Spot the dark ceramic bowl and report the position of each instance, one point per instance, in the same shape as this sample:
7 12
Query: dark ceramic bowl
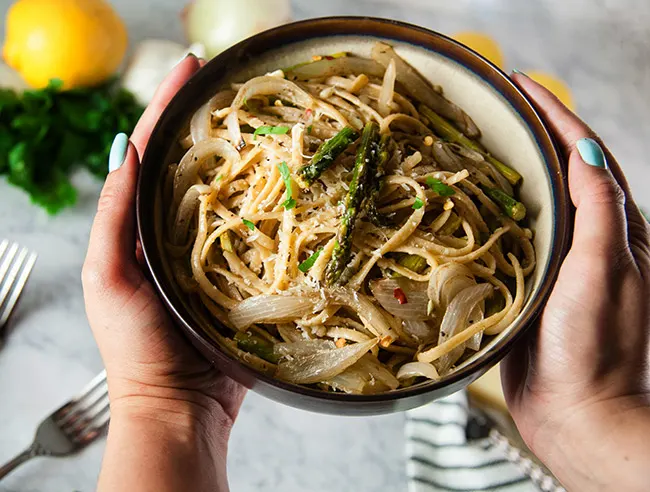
511 128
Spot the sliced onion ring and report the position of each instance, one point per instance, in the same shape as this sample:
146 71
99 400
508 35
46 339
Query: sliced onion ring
193 160
338 66
271 308
267 85
302 347
417 369
322 365
421 331
415 307
457 318
371 317
201 122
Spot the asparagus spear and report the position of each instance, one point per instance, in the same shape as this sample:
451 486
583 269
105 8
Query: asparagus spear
226 243
414 263
493 305
451 226
366 154
327 154
511 207
256 345
375 178
447 131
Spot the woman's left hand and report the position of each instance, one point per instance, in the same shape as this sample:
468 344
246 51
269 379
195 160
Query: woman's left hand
155 377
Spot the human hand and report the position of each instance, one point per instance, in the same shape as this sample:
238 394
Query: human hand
578 387
153 373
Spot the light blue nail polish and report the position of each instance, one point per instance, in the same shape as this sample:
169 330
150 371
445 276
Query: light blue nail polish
591 152
118 152
519 72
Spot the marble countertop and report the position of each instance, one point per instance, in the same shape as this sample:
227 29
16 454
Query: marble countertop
600 47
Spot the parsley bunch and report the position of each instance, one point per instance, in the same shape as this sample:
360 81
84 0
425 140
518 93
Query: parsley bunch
46 134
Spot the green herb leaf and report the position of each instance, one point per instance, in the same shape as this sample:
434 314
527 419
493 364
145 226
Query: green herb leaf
8 99
289 203
21 165
249 224
47 134
309 262
285 172
270 130
439 187
309 129
418 203
218 178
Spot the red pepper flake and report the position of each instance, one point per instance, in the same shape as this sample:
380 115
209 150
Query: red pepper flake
327 57
400 296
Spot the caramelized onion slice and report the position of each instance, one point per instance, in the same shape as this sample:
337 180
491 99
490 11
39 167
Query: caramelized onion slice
322 365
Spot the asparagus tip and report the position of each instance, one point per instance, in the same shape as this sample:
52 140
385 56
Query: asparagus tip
518 211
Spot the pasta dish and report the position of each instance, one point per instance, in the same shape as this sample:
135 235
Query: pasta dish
338 224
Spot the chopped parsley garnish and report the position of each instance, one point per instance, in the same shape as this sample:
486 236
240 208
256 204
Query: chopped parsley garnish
289 202
309 262
439 187
418 203
309 129
249 224
270 130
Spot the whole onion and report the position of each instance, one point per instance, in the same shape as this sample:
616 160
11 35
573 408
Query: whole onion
218 24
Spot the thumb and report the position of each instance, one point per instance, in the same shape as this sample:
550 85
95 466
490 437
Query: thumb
111 257
601 223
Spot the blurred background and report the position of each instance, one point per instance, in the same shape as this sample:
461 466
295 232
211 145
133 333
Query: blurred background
595 54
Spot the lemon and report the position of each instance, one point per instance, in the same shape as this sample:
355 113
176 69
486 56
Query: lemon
81 42
555 85
483 44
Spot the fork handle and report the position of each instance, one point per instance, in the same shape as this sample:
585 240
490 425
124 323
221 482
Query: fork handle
26 455
543 480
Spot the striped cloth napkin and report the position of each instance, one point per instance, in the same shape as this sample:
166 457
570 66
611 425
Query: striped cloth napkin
441 459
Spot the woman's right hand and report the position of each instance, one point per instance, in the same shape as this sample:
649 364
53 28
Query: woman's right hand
579 386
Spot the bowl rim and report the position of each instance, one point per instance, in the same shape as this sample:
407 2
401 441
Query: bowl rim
326 27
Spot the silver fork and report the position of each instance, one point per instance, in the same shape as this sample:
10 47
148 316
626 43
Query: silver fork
70 428
481 425
15 266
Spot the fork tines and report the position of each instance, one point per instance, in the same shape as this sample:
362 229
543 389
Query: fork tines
83 417
16 264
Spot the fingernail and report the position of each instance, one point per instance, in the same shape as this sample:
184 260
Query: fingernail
591 152
118 152
519 72
181 60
